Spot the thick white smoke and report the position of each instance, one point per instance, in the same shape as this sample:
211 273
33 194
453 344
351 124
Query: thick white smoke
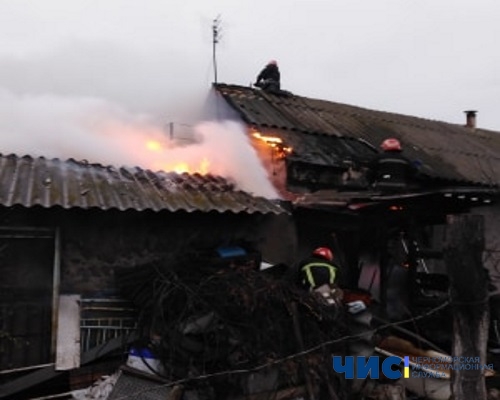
99 131
233 156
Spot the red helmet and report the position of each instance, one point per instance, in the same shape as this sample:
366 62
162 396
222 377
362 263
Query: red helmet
323 252
391 144
272 62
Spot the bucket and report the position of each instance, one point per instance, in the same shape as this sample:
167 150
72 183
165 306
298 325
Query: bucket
144 360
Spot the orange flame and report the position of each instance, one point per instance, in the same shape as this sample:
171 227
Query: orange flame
271 140
201 167
181 167
274 142
154 145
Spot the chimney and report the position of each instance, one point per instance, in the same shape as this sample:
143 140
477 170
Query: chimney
471 119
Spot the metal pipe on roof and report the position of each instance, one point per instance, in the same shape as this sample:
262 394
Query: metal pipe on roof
470 119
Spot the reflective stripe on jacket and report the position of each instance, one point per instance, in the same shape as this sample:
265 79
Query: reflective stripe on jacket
310 278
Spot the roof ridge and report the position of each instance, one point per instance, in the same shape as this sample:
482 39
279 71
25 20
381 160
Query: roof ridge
299 115
377 114
368 111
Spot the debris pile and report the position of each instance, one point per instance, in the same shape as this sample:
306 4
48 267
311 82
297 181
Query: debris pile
243 330
100 390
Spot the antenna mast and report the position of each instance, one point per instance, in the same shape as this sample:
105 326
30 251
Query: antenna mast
215 40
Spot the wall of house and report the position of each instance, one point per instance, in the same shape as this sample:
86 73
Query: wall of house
279 245
93 249
94 244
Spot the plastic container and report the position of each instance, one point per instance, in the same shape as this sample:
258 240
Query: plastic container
144 360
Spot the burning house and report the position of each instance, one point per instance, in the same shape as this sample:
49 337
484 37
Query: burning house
317 154
70 227
96 258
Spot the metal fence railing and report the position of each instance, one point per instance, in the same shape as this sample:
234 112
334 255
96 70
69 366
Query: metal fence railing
102 320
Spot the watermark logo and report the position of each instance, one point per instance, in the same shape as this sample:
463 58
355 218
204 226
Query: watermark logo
362 367
420 367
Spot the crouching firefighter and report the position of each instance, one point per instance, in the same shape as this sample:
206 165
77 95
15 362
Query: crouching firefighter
269 78
318 273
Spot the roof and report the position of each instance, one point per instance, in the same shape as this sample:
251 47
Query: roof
342 132
465 197
29 182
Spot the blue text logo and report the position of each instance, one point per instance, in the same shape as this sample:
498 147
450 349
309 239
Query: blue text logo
367 366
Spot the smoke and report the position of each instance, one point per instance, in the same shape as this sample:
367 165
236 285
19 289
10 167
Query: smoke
231 155
99 131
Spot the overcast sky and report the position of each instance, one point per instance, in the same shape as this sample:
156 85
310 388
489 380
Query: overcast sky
428 58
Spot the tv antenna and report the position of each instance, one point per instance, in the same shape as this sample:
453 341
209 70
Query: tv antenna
216 30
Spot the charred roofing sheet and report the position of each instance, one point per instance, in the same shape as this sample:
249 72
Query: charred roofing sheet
447 151
29 182
322 150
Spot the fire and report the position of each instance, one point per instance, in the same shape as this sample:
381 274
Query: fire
201 167
204 165
180 168
154 145
275 143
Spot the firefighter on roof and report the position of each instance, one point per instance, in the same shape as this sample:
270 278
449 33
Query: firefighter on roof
269 78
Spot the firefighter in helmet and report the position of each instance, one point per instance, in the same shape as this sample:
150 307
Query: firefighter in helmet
318 269
391 171
269 78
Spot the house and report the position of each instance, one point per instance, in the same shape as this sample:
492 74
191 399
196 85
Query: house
316 153
68 227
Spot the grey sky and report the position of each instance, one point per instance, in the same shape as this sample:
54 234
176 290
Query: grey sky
429 58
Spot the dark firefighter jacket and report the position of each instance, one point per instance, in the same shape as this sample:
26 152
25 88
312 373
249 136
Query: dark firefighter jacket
391 170
315 271
270 72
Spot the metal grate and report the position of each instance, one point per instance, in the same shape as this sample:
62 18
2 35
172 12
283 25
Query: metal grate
102 320
130 386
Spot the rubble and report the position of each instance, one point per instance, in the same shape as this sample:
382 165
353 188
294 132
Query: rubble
228 328
100 390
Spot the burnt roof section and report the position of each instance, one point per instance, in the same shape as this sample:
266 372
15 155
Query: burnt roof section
446 151
29 182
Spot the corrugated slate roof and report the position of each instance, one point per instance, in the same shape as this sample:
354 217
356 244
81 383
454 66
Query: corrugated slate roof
29 182
448 151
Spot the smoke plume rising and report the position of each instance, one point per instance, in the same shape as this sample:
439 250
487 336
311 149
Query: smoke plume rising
99 131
